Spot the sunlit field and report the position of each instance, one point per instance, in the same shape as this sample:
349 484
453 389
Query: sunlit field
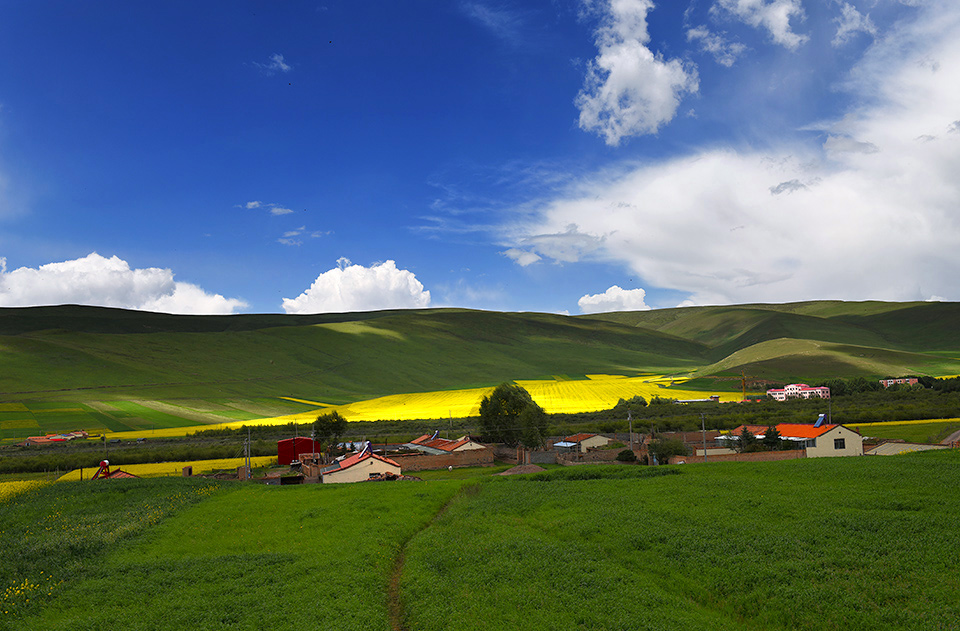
597 392
159 469
601 392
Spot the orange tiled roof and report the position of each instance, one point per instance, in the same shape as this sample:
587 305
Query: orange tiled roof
576 438
788 430
440 443
350 461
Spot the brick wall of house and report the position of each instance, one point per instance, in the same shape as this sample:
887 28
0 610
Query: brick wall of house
425 462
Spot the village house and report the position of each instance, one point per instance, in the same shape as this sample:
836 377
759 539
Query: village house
909 381
359 467
580 443
437 446
819 439
799 391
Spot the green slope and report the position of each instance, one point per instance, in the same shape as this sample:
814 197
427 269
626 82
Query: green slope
75 353
333 358
926 334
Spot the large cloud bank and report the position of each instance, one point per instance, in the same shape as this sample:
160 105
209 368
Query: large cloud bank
108 282
868 209
349 287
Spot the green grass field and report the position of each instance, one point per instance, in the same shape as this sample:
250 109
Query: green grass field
851 543
932 432
854 543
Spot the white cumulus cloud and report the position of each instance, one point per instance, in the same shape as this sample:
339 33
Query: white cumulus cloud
350 287
522 257
867 210
629 90
851 22
108 282
614 299
723 51
774 16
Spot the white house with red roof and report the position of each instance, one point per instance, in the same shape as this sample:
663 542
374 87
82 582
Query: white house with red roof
359 467
820 439
799 391
436 446
580 443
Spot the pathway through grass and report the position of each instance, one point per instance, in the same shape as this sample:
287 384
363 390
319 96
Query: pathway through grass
394 597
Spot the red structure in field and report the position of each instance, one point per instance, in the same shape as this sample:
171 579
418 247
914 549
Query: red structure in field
289 449
104 473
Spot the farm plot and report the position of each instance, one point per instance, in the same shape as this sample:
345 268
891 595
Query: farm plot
601 392
597 392
161 469
9 489
925 431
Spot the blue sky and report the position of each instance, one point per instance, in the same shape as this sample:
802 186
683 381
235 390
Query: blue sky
562 156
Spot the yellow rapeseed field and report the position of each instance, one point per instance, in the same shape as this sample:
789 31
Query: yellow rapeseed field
597 392
9 489
174 468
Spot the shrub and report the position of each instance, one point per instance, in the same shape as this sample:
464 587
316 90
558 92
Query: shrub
626 455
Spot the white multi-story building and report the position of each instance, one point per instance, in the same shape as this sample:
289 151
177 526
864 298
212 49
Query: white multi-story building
799 391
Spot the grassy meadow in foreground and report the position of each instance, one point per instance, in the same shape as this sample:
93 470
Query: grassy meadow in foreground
248 557
846 543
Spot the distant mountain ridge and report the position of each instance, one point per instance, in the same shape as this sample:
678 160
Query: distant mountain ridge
70 351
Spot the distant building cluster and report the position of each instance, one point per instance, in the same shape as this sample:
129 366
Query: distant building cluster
799 391
909 381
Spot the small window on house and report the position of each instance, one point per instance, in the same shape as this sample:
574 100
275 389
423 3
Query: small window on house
838 443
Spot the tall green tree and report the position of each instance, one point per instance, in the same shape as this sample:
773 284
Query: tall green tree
747 440
329 428
771 438
509 415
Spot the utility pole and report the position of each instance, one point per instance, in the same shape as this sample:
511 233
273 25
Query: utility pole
630 421
703 433
247 453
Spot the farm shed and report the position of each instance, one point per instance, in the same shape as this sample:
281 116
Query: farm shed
579 443
438 446
359 467
819 439
290 449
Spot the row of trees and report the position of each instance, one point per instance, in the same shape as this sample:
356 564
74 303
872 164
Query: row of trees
845 387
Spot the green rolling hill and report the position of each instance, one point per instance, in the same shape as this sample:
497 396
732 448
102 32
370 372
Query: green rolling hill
74 353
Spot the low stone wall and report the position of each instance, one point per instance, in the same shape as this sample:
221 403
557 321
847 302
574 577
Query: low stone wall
425 462
543 457
757 456
600 455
